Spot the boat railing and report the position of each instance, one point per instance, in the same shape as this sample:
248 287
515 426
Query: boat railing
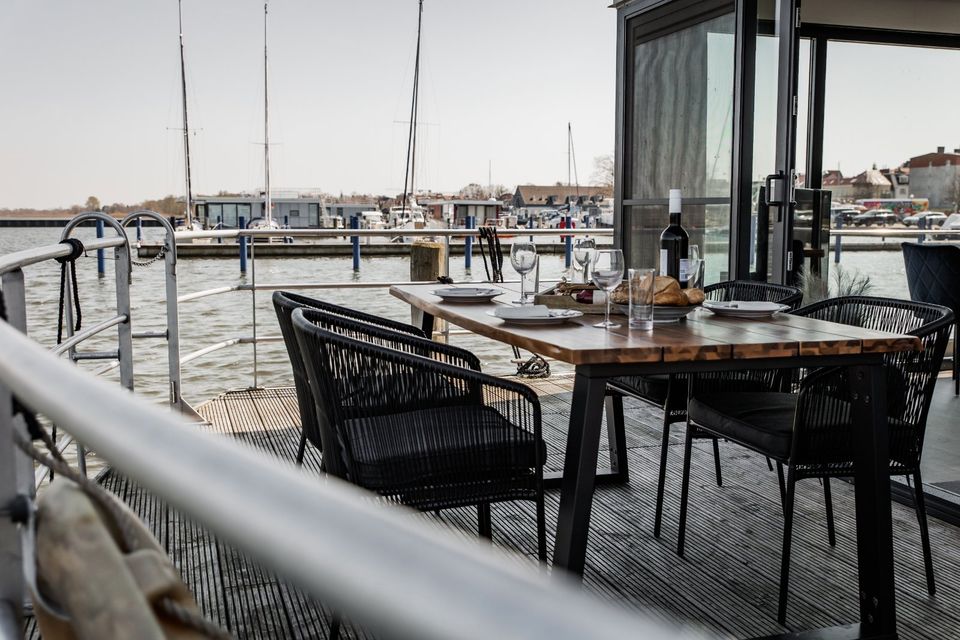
382 566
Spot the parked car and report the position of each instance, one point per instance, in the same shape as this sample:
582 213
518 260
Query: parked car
880 217
844 214
933 218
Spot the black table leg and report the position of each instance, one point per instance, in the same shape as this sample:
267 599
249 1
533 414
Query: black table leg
579 470
874 528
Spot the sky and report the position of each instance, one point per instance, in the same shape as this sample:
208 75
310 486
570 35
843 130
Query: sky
91 96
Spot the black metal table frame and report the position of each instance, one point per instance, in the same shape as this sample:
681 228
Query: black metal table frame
872 480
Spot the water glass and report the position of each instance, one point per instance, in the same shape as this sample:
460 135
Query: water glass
531 283
606 271
582 251
640 284
523 258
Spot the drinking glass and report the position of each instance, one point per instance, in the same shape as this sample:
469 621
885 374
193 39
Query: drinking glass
606 271
523 258
640 310
582 251
695 268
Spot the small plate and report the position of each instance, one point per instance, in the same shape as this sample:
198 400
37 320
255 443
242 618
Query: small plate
744 309
665 314
512 315
468 294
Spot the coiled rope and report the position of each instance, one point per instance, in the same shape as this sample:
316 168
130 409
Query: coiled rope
69 263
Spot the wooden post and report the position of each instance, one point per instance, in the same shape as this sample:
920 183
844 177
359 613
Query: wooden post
427 262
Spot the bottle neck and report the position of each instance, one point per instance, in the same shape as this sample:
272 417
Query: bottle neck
675 218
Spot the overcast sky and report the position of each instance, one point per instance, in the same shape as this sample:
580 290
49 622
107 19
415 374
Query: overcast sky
91 97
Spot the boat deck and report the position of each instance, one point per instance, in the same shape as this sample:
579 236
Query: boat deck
727 583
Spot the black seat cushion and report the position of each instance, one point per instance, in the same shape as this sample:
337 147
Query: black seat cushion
438 445
761 421
652 388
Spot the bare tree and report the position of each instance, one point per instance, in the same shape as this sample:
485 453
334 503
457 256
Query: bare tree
603 170
92 204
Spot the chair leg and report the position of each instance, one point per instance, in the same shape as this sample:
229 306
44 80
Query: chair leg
662 477
684 490
483 521
785 555
921 509
302 447
769 465
828 503
783 485
617 436
956 365
541 530
716 461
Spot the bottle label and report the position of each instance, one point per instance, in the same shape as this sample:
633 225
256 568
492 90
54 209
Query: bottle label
664 270
684 269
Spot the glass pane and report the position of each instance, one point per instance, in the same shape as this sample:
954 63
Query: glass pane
682 112
707 227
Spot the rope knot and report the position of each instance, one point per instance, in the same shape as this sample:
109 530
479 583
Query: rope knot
77 250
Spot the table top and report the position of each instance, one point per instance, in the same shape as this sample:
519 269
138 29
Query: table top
703 336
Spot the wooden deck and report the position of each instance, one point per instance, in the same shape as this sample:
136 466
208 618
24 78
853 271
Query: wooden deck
727 582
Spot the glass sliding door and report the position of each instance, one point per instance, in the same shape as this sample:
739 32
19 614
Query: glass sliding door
676 130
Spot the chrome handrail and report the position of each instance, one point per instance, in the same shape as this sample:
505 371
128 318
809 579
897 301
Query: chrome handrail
394 574
87 333
35 255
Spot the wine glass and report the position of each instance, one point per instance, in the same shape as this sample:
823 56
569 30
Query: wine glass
523 258
606 270
582 251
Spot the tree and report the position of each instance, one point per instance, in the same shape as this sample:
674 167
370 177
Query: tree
603 171
92 204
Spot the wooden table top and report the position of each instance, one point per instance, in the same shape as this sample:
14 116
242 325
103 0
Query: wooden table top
703 336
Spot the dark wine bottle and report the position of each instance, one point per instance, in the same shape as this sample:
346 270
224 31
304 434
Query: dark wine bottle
673 244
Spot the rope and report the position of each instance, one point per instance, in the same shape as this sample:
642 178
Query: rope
69 262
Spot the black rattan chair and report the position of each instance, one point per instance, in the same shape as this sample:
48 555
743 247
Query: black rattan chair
418 430
669 392
284 304
811 431
933 275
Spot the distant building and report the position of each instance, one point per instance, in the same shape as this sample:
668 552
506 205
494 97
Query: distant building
899 178
937 176
841 188
550 197
871 184
303 212
483 211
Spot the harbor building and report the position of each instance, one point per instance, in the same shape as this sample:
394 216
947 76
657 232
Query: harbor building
937 176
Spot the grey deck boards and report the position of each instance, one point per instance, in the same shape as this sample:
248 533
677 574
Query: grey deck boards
727 582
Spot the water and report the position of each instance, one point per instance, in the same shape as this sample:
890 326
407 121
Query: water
214 319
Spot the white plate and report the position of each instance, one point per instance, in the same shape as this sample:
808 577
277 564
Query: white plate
744 309
665 314
467 294
534 315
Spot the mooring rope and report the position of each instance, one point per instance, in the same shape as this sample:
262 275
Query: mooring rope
69 263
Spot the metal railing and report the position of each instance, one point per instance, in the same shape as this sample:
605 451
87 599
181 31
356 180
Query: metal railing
385 568
254 339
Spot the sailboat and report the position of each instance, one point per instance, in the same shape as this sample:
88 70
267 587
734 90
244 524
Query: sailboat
188 223
266 222
409 215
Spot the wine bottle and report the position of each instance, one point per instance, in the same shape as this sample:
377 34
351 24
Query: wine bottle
673 244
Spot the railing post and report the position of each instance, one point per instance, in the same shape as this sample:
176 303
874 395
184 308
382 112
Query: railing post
253 311
530 224
220 228
139 230
922 225
568 245
468 245
838 240
355 224
243 248
101 262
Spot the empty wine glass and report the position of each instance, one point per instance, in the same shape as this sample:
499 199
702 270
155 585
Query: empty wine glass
523 258
695 268
606 271
582 251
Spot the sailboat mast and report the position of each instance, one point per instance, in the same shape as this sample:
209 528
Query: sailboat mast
267 203
186 127
409 173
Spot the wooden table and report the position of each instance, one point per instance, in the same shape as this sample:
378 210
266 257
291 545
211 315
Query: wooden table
706 343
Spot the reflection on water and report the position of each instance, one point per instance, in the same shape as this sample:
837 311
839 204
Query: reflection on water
210 320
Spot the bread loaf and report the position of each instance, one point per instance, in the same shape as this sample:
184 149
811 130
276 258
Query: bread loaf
694 296
670 298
